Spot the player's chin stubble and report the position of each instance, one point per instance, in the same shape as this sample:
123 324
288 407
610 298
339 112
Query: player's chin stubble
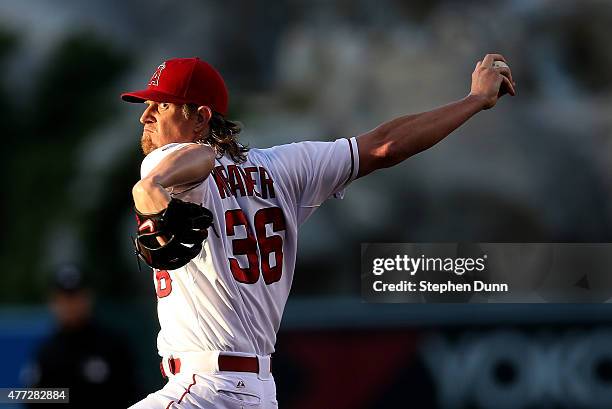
146 144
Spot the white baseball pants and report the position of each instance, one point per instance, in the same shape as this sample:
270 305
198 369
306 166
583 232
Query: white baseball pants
201 385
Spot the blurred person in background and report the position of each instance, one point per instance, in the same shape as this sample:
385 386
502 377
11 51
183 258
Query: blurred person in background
81 354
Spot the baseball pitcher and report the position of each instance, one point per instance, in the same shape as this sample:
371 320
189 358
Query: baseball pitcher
218 222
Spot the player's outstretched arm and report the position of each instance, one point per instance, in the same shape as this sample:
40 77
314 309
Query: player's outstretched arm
187 165
394 141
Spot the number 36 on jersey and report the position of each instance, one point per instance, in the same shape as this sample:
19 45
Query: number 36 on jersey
257 246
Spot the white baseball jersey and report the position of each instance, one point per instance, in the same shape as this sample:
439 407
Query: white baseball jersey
232 295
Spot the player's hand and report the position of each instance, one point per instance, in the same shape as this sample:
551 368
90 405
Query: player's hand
150 197
489 83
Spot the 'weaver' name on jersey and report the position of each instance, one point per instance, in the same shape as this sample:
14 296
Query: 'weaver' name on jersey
233 179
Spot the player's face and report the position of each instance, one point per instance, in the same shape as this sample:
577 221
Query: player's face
164 123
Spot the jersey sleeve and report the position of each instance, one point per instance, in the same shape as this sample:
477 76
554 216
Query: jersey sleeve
190 193
315 171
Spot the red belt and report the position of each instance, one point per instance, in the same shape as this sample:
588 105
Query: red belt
230 363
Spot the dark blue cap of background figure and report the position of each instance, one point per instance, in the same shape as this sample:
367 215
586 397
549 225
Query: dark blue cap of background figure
68 278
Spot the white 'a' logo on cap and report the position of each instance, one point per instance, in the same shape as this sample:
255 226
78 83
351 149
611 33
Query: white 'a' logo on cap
157 74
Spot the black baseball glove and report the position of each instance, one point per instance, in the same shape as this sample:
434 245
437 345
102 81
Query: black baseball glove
181 229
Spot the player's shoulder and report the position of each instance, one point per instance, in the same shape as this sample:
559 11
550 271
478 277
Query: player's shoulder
291 148
293 154
295 150
274 154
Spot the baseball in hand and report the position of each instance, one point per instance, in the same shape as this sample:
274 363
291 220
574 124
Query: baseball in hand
504 88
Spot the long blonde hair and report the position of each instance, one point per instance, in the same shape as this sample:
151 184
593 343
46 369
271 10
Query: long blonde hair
223 135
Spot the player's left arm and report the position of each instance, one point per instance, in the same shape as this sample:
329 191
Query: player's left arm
394 141
190 164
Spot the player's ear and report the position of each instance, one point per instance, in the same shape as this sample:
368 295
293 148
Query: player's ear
202 118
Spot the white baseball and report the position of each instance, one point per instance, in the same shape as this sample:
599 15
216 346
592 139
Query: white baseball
500 64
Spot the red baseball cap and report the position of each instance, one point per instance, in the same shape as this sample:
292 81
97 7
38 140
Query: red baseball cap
184 81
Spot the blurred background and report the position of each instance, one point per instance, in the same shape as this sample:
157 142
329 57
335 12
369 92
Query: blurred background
536 168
